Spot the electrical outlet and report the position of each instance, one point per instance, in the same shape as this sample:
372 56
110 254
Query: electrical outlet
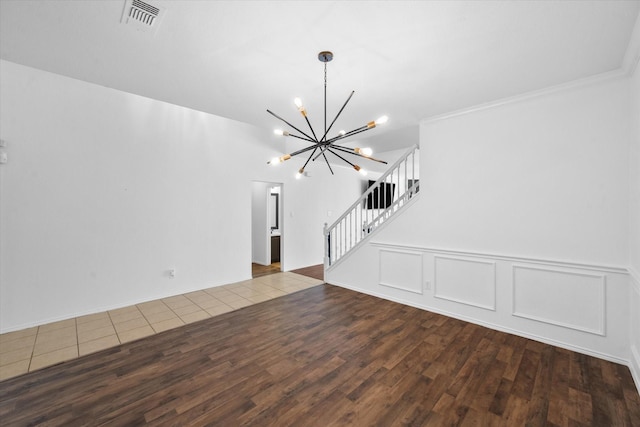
172 273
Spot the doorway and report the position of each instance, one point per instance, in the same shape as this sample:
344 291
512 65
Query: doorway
267 228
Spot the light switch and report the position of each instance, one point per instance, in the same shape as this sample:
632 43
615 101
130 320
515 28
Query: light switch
3 158
3 143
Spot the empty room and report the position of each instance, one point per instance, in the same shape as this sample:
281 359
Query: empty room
319 213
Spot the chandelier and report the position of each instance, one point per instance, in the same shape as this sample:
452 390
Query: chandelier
325 145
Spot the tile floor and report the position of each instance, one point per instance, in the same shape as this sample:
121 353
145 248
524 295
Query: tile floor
35 348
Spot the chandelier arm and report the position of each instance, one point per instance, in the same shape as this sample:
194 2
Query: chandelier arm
339 156
350 151
304 139
295 153
337 115
325 159
289 124
311 127
312 153
322 150
348 134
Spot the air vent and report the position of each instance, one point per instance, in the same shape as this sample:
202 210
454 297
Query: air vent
142 15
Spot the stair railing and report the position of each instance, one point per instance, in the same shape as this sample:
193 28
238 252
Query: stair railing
379 202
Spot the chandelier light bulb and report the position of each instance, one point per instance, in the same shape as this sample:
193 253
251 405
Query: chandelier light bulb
382 120
301 108
278 160
364 151
359 169
299 174
375 123
342 132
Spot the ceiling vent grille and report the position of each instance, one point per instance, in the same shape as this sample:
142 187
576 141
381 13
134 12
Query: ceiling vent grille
142 15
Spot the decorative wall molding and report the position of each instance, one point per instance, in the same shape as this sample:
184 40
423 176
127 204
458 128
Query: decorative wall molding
542 297
499 257
446 287
406 269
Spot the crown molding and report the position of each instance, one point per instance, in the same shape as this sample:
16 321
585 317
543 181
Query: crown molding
632 54
635 279
574 84
627 68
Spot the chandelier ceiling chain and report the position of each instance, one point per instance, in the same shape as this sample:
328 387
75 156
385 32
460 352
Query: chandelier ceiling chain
323 145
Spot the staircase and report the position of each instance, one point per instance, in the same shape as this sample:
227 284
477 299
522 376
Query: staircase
383 199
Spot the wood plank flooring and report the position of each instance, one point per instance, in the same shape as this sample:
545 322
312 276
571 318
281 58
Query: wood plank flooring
259 270
314 271
326 356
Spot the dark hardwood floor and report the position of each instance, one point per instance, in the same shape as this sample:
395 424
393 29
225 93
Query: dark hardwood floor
326 356
315 271
258 270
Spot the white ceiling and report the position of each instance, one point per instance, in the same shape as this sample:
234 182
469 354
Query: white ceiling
407 59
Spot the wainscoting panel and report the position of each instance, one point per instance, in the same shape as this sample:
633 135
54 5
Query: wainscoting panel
564 298
401 270
466 281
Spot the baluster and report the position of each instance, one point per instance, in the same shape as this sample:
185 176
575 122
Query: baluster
350 229
405 182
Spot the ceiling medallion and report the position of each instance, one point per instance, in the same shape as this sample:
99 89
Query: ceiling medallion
324 145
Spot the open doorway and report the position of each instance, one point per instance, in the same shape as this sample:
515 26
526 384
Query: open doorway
267 228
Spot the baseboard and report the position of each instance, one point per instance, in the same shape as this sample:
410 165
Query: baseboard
493 326
634 363
634 366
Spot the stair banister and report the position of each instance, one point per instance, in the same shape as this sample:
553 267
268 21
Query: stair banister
358 224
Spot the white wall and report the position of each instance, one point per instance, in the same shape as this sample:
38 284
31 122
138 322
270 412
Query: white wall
522 221
105 191
538 178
